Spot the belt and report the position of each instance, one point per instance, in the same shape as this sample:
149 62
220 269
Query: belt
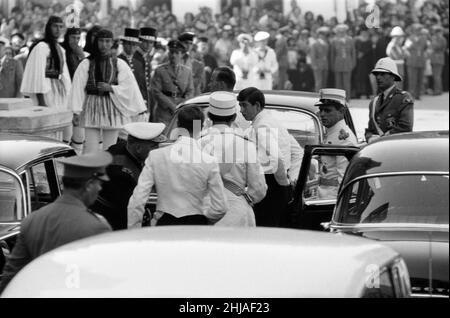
237 190
328 182
173 95
93 91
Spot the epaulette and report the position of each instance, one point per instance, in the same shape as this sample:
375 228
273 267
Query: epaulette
407 97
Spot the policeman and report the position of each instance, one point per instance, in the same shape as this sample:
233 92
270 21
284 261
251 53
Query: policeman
172 84
332 168
197 67
143 60
65 220
391 112
240 169
128 161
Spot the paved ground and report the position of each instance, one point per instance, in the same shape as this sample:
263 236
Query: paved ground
430 113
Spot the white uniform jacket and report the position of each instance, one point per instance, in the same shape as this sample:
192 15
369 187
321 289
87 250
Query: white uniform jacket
183 176
243 67
265 69
239 165
332 168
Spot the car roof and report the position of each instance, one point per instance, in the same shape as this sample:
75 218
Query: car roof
418 151
303 100
18 150
208 261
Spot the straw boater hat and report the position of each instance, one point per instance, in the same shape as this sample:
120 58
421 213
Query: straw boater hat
222 104
245 37
397 31
131 35
146 131
148 34
387 65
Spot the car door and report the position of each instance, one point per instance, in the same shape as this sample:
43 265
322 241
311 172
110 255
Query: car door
309 207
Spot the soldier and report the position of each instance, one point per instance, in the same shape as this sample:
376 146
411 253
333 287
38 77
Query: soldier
331 168
319 58
416 46
128 161
342 58
143 64
172 84
197 67
130 42
65 220
208 59
438 46
396 51
391 112
11 72
267 65
240 169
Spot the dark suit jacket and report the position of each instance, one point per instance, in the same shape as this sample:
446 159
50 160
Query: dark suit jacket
395 115
11 78
61 222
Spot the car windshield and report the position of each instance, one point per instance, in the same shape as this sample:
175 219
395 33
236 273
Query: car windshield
301 125
395 199
11 208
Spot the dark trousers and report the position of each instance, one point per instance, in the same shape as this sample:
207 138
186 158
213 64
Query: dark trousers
272 210
168 219
415 80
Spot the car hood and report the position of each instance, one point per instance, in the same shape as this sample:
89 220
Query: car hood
416 247
8 229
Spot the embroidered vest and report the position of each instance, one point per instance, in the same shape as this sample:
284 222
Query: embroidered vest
50 69
109 74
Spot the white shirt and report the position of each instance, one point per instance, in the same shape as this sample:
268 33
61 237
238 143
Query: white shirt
268 64
183 176
273 143
243 63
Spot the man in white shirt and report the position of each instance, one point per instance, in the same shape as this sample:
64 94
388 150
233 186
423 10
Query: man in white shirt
183 176
241 172
274 146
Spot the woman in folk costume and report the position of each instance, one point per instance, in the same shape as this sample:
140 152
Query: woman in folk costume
46 77
267 65
244 60
105 95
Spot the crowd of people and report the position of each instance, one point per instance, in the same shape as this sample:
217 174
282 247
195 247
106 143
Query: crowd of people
295 37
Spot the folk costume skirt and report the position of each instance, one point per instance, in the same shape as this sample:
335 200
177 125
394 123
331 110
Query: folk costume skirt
100 112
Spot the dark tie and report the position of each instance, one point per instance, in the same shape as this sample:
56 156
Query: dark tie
380 101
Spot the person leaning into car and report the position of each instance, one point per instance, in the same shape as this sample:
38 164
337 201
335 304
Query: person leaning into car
128 161
65 220
331 168
392 111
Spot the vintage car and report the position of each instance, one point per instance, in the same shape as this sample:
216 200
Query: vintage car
395 191
299 115
210 262
29 179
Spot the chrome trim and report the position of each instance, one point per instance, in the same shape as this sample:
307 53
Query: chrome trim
418 295
392 226
320 202
390 174
7 236
22 188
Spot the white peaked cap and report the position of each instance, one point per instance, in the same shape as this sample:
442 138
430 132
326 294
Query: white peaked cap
146 131
222 104
261 36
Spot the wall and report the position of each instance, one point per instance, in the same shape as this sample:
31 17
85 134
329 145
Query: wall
180 7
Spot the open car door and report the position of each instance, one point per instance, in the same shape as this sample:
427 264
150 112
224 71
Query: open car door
314 199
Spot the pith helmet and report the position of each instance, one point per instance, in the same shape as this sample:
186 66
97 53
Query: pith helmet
387 65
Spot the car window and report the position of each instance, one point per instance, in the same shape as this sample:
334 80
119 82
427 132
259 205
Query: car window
11 198
303 126
39 181
395 199
324 178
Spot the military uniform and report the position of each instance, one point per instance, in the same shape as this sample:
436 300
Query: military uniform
319 63
198 73
61 222
142 71
170 87
392 116
416 48
343 61
437 58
